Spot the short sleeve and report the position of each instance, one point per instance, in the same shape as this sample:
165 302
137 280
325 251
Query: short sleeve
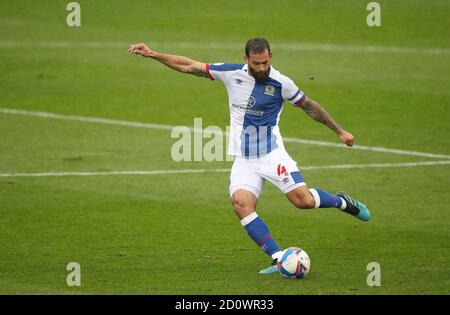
221 71
292 93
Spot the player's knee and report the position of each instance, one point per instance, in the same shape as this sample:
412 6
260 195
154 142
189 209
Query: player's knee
303 202
240 206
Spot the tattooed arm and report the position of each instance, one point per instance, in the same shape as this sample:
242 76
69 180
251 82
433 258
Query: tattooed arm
179 63
318 113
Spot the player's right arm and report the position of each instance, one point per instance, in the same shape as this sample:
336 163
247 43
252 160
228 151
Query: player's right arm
318 113
294 95
179 63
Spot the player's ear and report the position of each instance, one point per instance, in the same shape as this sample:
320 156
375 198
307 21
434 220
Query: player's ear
245 58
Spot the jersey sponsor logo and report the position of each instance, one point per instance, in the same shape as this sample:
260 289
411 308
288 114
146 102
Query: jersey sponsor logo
269 90
251 102
239 81
247 108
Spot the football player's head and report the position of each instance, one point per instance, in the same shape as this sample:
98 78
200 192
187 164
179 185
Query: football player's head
258 58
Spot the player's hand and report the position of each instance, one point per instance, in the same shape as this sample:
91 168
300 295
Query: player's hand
141 49
347 138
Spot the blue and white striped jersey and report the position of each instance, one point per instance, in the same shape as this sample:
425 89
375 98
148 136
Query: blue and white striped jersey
255 107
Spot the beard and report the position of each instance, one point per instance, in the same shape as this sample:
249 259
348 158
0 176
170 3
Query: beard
259 76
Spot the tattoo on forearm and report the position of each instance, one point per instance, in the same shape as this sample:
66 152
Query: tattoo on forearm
196 71
315 111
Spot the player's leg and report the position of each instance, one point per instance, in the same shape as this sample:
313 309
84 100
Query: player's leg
305 198
282 171
245 188
244 204
301 197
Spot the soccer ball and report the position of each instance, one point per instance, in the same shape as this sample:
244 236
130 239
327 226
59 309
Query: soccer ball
294 263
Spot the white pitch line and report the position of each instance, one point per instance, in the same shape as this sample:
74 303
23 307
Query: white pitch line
112 173
376 165
232 46
220 170
170 127
97 120
367 148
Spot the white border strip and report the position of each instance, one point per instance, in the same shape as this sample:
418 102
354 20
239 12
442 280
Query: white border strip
125 123
220 170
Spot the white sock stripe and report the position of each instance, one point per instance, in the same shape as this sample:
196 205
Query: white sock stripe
277 255
344 203
316 197
252 216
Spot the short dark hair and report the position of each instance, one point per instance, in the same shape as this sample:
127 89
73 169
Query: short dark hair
257 45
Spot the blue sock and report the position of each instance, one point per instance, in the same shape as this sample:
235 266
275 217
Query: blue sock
259 232
326 200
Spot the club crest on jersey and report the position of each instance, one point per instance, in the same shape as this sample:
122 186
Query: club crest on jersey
269 90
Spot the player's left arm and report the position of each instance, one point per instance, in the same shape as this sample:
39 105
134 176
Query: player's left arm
318 113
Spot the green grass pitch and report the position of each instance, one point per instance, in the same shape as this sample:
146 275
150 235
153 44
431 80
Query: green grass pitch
177 233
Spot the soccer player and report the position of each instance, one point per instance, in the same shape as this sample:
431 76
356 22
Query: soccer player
256 93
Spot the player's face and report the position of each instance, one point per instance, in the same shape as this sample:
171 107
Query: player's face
259 65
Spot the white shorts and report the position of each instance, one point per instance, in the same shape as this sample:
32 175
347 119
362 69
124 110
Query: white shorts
277 167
